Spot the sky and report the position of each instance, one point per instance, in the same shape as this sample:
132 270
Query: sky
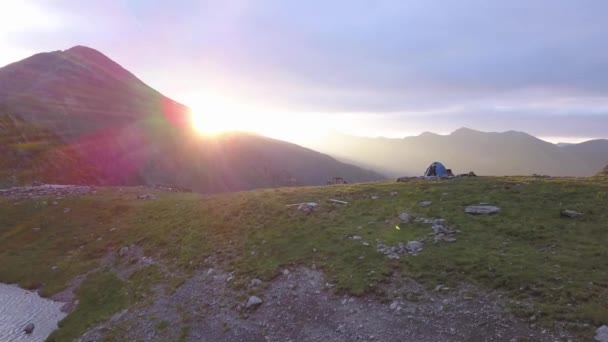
296 69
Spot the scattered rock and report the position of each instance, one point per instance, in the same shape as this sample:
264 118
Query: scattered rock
286 272
253 301
571 214
394 193
66 210
414 246
255 282
146 197
393 305
425 203
481 209
601 334
123 252
55 203
307 207
375 197
441 287
29 328
356 237
405 217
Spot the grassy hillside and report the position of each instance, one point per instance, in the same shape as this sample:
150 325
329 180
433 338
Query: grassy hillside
30 153
549 267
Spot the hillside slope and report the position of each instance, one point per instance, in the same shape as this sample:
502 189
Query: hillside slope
131 134
508 153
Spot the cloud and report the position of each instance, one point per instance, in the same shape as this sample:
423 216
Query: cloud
386 58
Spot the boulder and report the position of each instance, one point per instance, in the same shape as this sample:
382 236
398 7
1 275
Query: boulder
253 302
601 334
481 209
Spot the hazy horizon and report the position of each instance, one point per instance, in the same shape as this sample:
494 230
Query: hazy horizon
295 71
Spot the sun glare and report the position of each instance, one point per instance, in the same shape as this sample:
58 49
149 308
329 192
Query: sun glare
212 115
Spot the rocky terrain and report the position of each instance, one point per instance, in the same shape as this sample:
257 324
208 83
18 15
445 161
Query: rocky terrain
422 260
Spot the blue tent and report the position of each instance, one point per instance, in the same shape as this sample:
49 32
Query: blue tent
436 169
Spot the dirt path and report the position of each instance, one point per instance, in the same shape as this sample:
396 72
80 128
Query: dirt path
300 306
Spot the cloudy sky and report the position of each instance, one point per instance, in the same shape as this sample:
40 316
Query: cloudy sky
390 68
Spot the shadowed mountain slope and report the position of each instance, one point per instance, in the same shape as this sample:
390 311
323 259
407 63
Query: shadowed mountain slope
130 134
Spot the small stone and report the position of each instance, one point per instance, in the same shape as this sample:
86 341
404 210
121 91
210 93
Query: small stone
253 301
375 197
55 203
425 203
365 243
393 305
414 246
356 237
29 328
123 251
66 210
394 193
405 217
54 267
601 334
285 272
441 287
570 214
255 282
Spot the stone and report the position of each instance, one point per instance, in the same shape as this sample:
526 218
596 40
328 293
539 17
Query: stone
356 237
307 207
253 302
481 209
601 334
255 282
405 217
123 251
570 214
425 203
393 305
285 272
414 246
146 197
375 197
29 328
66 210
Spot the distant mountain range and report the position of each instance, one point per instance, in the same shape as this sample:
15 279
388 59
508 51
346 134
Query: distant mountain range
464 150
76 116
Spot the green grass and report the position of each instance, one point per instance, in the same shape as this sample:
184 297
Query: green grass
526 251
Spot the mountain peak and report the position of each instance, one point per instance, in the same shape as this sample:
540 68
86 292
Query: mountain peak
464 130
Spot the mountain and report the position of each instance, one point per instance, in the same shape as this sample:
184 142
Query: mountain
593 152
124 132
506 153
603 172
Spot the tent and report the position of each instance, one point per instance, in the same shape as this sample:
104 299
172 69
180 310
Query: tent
436 169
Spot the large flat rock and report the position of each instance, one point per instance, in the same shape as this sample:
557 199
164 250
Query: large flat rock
481 209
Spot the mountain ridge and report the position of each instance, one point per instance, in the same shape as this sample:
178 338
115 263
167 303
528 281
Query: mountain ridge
132 134
490 153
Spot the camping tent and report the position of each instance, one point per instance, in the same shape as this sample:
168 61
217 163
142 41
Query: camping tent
436 169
